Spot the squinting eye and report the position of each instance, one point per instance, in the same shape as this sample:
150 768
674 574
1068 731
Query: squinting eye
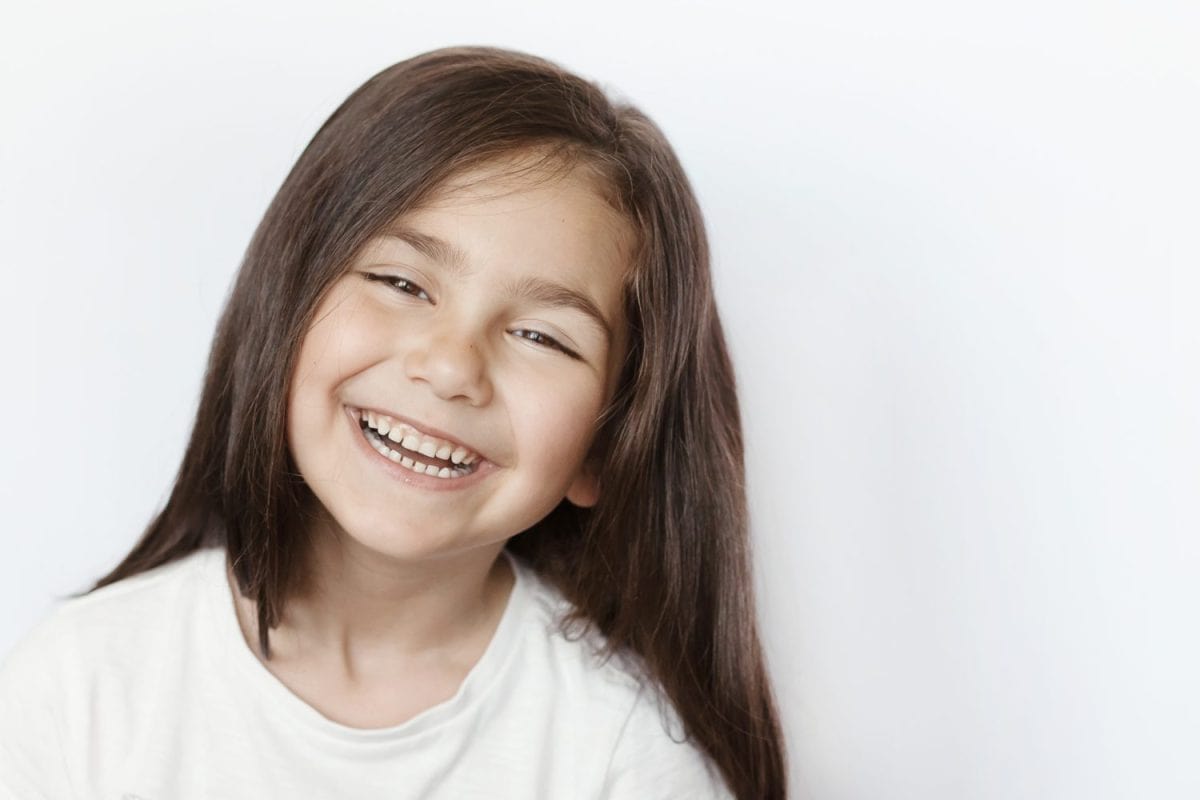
544 340
403 285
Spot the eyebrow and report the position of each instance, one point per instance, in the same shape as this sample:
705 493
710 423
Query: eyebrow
431 247
537 290
555 295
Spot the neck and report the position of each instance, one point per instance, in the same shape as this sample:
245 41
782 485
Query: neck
368 610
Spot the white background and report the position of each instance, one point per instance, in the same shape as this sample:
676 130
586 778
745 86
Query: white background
956 253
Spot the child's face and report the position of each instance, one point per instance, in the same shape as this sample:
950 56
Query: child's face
460 351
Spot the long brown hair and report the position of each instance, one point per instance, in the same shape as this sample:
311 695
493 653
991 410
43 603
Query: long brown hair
661 564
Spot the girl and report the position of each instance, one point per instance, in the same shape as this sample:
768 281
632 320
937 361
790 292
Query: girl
462 513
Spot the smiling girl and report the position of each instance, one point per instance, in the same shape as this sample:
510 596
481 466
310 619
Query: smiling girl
462 513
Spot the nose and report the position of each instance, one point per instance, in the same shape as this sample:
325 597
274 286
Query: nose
451 363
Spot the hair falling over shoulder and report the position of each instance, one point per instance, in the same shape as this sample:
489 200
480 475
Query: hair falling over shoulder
661 565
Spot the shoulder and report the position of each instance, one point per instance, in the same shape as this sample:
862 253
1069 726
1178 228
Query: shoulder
654 755
107 617
48 683
575 654
99 624
646 748
112 635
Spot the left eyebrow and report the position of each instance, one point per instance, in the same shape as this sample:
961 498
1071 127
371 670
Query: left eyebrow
556 295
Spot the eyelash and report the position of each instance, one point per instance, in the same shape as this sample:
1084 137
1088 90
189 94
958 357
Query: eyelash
400 284
395 283
550 341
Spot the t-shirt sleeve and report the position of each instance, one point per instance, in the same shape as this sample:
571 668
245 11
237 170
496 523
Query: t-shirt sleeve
32 765
650 759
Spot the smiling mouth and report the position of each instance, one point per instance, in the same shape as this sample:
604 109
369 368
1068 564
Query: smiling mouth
411 459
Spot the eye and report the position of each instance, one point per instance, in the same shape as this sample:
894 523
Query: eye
545 341
403 285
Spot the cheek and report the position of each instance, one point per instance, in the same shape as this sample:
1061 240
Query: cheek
330 352
556 427
346 337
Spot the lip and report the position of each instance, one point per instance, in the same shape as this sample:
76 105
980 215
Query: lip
483 467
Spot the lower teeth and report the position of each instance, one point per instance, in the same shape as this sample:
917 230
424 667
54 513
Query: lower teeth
416 466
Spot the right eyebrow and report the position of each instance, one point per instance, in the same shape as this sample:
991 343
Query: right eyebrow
431 247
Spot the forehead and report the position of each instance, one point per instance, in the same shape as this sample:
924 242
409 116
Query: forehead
530 214
529 185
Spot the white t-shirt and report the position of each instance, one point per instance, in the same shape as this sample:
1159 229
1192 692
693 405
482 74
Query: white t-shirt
146 690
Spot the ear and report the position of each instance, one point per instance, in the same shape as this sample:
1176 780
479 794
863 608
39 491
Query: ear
584 491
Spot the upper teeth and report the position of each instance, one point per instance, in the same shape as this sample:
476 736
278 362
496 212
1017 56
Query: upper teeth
410 438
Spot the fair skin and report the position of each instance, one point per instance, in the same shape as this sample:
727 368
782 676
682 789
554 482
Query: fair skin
403 577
